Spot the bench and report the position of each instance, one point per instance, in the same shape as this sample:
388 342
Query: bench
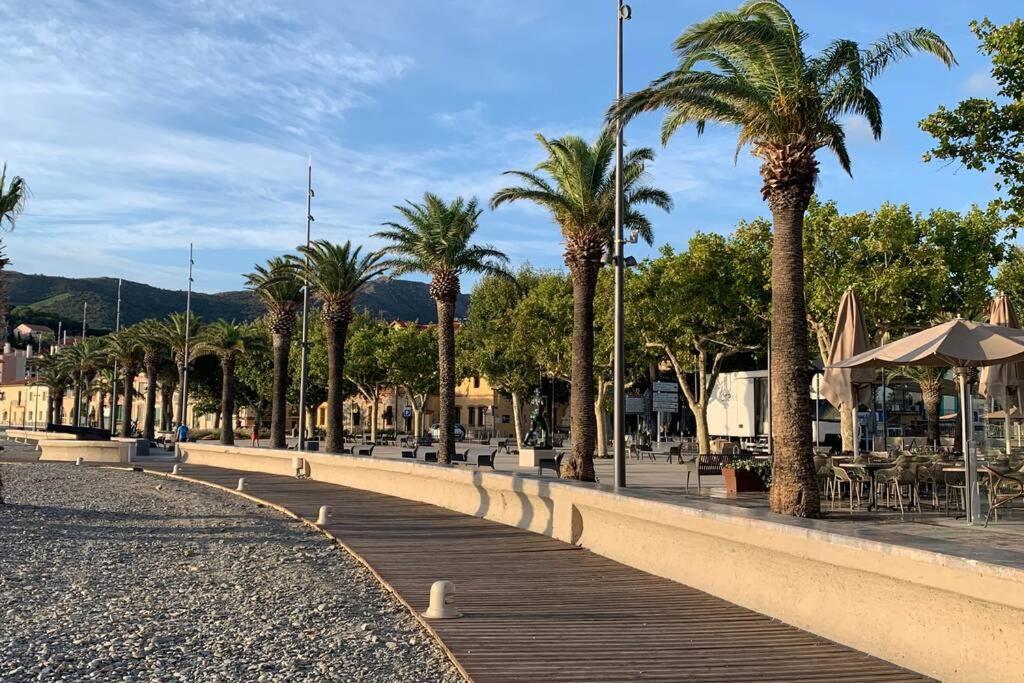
363 450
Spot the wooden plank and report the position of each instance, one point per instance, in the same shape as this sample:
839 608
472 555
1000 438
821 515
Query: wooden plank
539 609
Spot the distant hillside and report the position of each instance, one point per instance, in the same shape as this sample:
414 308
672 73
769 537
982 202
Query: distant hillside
46 298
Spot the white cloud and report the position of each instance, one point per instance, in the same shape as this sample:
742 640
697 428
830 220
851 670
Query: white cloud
981 84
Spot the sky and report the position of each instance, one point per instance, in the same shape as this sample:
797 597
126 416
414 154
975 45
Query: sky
143 125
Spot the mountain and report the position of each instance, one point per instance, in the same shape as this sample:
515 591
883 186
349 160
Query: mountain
45 299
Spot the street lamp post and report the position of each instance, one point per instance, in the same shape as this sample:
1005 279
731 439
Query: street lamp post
78 387
619 383
117 328
305 312
188 328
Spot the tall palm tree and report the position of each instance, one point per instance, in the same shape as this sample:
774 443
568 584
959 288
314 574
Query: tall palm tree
435 239
126 348
335 273
227 341
280 289
176 334
53 373
87 358
576 183
151 340
786 105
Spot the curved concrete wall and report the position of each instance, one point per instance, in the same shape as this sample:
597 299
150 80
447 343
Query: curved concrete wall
940 615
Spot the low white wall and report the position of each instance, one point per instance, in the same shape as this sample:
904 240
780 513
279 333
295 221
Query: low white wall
113 452
936 614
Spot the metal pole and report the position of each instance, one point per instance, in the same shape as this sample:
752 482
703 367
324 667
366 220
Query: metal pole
619 382
885 417
188 322
817 411
78 387
305 312
771 431
973 506
117 328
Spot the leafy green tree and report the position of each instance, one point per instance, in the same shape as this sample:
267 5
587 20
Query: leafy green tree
280 289
366 364
498 344
411 359
985 134
227 341
336 273
256 373
316 370
693 308
576 183
436 239
786 105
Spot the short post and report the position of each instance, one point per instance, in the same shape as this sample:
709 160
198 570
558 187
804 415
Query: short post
79 460
175 470
325 512
442 601
241 484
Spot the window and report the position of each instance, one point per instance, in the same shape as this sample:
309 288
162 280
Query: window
458 415
476 382
472 416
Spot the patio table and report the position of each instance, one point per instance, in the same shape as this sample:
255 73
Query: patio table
871 468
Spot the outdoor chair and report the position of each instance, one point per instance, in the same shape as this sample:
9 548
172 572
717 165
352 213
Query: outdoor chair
672 451
503 445
852 481
645 451
691 466
895 478
711 464
460 457
486 459
955 483
1003 489
554 464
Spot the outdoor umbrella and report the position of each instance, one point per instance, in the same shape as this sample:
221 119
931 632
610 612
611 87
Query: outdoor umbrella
840 386
995 381
959 344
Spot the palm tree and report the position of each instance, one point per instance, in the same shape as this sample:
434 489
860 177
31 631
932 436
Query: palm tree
786 106
127 349
151 340
435 240
87 358
13 196
226 340
176 335
53 373
579 191
335 273
280 289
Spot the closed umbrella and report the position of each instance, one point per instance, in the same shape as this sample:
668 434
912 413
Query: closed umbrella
959 344
840 386
996 381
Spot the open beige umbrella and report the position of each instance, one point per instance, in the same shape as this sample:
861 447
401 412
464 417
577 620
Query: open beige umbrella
840 386
996 381
959 344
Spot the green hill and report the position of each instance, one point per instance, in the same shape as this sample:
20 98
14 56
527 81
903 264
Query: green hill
44 299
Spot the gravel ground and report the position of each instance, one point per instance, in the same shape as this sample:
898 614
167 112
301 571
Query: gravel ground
108 575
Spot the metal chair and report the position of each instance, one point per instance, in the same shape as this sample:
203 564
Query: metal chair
554 463
996 499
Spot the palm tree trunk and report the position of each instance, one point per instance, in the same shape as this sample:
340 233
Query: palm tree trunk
166 407
599 421
794 488
77 403
149 423
931 393
446 389
227 401
51 404
337 331
374 410
282 346
126 417
580 463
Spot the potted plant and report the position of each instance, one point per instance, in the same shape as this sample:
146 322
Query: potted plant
746 475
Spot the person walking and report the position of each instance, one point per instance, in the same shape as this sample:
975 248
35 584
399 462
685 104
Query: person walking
255 435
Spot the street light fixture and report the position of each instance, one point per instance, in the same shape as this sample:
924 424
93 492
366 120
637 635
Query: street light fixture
619 382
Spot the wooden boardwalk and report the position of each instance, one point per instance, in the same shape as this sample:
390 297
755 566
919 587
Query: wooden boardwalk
537 609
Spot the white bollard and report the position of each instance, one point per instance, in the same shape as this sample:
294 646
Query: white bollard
175 470
79 460
325 512
442 601
241 484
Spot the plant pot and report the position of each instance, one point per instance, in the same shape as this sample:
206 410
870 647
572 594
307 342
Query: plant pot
741 481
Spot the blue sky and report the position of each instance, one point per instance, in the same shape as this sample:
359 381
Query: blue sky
142 125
